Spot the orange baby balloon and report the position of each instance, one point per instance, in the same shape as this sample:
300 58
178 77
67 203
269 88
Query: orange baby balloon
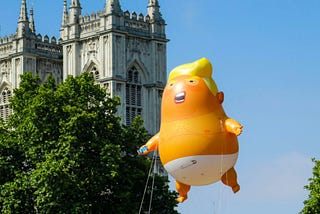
197 141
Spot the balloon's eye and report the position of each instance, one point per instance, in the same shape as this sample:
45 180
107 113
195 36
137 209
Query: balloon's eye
192 81
171 84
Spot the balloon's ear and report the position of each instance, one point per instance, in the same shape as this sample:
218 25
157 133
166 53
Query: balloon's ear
220 97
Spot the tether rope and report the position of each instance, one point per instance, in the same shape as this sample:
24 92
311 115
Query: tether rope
146 185
152 185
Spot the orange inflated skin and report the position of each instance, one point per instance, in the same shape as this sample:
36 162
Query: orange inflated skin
197 142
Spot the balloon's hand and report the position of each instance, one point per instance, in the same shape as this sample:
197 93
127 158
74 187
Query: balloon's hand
150 146
143 150
233 126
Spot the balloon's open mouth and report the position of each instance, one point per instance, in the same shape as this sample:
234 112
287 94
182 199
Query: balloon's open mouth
179 98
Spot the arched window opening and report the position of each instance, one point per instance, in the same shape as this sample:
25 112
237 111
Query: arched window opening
5 111
133 95
95 72
96 75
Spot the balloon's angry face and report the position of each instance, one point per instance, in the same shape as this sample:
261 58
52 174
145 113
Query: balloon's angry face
185 95
185 90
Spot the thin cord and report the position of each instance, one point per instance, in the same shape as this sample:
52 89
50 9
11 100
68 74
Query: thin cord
219 207
220 188
146 185
151 195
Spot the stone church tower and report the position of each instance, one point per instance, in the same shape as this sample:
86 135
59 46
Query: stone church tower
26 51
126 53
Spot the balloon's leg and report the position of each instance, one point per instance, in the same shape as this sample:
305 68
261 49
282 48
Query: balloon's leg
230 179
183 190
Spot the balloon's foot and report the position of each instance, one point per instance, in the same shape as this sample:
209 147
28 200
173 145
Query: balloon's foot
182 199
236 188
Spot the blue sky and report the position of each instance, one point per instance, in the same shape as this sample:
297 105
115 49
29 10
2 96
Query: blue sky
266 56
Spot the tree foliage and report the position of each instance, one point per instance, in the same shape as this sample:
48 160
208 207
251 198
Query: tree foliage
312 204
64 151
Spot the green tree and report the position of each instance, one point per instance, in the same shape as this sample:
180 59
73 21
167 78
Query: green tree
64 151
312 204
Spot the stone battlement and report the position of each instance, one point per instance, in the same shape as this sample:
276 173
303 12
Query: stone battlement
90 18
132 21
47 46
7 39
46 39
90 23
6 45
134 17
137 23
85 19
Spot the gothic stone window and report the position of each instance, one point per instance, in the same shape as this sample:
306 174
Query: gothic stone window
5 111
133 95
95 72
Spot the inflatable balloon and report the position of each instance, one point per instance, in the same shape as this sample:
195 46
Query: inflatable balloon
197 141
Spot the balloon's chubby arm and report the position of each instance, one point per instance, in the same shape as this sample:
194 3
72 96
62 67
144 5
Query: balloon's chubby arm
150 146
233 126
